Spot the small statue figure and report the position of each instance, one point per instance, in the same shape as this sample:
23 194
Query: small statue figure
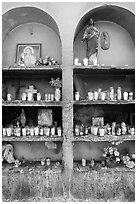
91 36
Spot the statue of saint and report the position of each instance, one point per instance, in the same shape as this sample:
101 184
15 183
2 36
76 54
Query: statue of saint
91 36
27 57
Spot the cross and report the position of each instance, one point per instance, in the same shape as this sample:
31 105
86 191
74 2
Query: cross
17 89
31 91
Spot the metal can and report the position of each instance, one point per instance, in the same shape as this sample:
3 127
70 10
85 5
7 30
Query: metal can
119 94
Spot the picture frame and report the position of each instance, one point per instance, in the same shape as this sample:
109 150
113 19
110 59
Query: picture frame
21 50
98 121
45 117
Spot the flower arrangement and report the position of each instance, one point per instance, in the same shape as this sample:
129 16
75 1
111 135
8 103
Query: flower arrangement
57 83
128 162
112 156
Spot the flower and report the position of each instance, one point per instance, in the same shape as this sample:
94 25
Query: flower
116 153
117 159
57 83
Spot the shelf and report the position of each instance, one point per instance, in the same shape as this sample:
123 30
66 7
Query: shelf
99 102
30 138
106 138
32 70
103 69
32 103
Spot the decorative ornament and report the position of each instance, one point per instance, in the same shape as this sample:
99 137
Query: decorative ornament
105 40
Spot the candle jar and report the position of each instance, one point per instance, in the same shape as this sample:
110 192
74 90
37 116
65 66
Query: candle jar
111 93
130 96
102 96
38 96
123 128
52 97
53 131
41 131
32 131
24 131
48 161
76 61
47 131
77 96
99 93
9 131
42 162
24 96
95 130
118 130
49 98
85 61
77 130
36 131
119 94
9 97
4 131
27 131
18 131
83 162
30 96
101 132
59 131
132 131
95 95
86 130
109 130
92 129
46 97
125 96
90 95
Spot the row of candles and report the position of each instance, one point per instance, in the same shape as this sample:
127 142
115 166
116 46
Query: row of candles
107 95
32 131
114 129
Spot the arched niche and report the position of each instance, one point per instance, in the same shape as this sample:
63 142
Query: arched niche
119 23
29 25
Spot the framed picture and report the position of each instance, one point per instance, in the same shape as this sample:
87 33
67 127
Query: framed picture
27 54
98 121
45 117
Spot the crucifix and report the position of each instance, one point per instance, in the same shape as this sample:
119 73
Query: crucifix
30 92
17 86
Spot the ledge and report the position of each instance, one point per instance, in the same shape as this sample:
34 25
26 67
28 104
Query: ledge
106 138
30 138
99 102
32 103
101 69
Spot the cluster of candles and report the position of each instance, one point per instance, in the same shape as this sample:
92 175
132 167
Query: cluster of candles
28 95
85 61
32 131
107 95
114 129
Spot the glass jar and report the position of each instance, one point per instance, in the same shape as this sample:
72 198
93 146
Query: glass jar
36 131
38 96
59 131
119 93
83 162
125 96
24 131
53 131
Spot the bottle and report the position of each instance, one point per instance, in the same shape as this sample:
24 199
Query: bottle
111 93
113 128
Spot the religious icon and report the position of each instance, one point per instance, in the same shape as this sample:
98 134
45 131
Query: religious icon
28 54
91 36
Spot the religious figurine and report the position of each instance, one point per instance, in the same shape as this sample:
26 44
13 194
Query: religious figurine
91 36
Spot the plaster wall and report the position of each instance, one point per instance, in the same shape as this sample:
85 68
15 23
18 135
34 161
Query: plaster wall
121 49
51 45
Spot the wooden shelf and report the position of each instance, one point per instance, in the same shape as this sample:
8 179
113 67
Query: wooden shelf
103 69
106 138
99 102
32 103
30 138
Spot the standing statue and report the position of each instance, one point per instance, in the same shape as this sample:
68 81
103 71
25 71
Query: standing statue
91 36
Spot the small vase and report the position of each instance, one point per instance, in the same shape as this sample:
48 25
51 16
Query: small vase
57 94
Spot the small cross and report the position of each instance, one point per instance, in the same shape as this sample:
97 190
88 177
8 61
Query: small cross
31 91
